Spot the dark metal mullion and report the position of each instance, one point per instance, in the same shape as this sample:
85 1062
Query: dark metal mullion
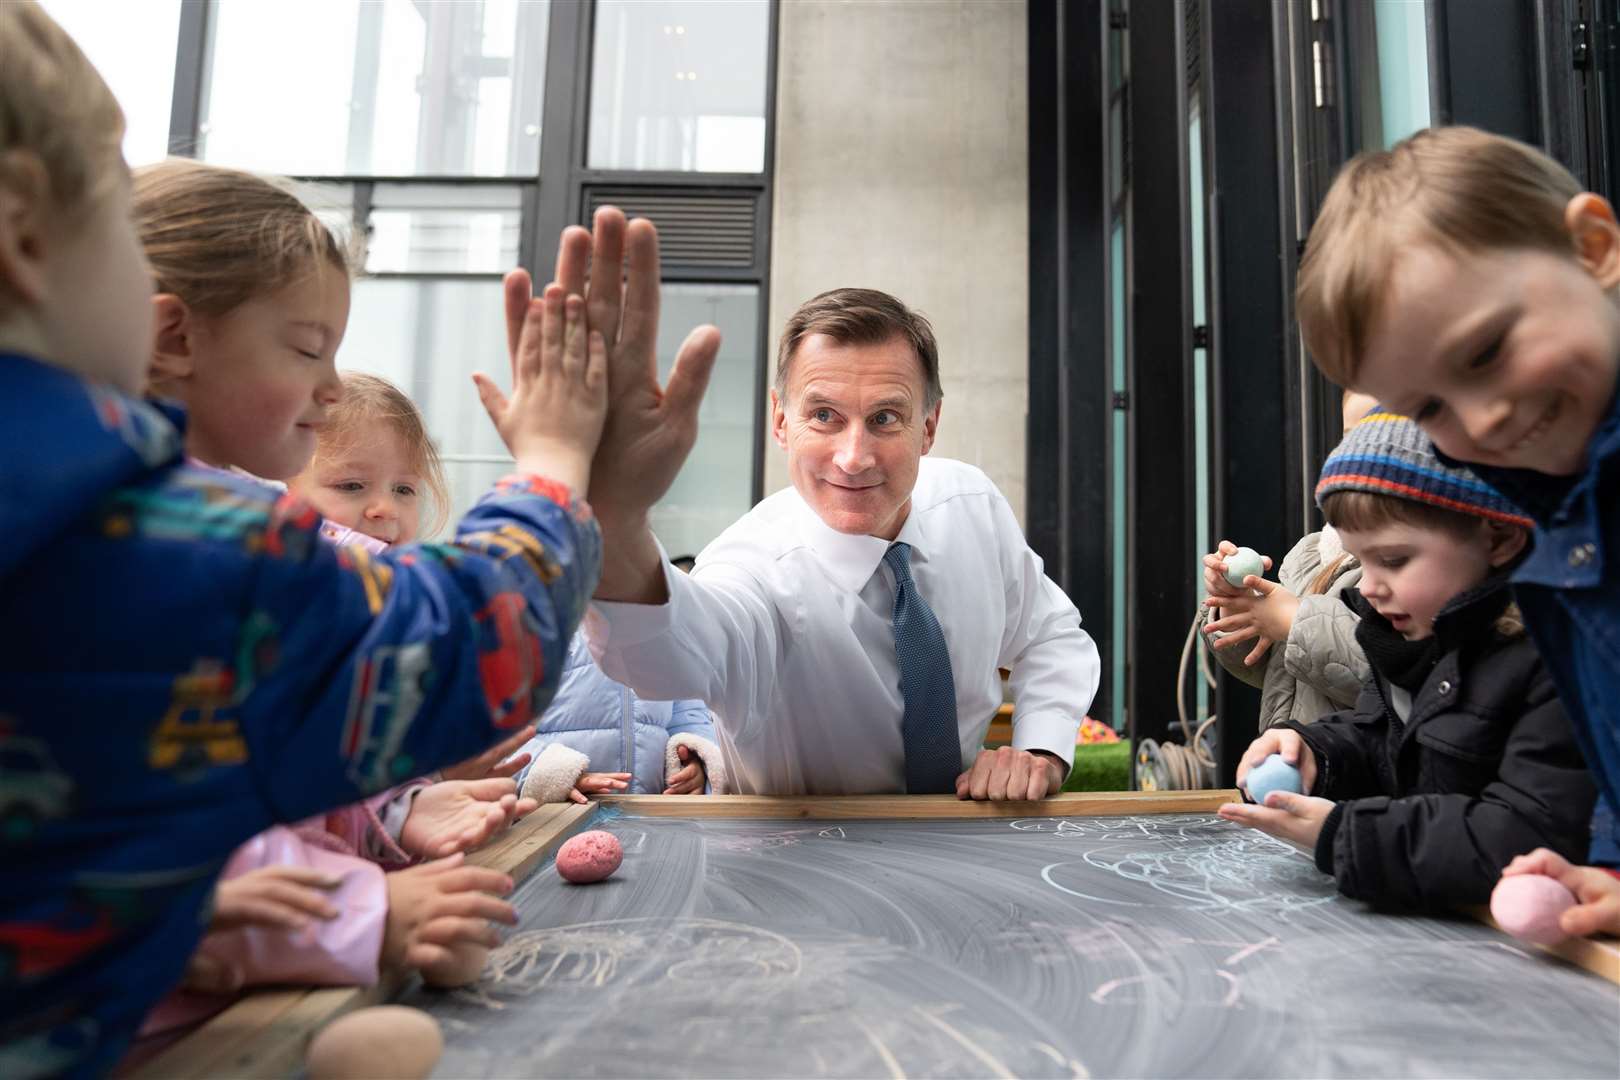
1048 243
1248 359
567 69
190 78
1160 455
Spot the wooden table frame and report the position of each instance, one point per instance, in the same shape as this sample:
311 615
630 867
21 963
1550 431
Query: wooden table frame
266 1032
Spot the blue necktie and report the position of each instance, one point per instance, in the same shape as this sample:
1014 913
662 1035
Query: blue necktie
933 747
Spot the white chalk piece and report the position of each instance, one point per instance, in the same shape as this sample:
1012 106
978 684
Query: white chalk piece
387 1040
1244 562
1529 907
1273 774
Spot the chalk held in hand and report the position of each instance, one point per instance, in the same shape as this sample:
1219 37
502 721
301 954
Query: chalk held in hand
590 856
1529 907
1273 774
1242 563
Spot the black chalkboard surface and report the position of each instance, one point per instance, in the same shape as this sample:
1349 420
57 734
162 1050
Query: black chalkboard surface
1174 945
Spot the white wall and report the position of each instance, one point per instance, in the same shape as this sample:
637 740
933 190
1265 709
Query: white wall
902 165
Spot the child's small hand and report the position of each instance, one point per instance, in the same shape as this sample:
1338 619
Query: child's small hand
1263 619
458 815
1284 741
1215 582
494 762
283 897
1596 889
690 778
208 974
434 906
599 783
1285 815
553 420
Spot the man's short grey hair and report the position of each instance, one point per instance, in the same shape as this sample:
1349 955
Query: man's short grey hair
861 317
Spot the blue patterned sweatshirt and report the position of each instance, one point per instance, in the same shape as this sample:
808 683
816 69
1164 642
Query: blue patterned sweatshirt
183 663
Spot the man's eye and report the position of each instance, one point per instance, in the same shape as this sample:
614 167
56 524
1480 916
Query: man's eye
885 418
822 416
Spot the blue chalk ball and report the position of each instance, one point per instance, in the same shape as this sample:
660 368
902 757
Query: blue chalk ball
1242 563
1272 774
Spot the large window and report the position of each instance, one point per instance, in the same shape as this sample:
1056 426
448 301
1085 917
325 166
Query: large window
422 125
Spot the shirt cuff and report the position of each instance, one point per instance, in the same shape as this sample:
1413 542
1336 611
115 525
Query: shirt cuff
1049 731
612 624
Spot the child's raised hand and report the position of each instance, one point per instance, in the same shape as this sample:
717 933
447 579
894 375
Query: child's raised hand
282 897
552 422
495 761
1597 891
1263 619
459 815
435 906
1215 583
598 783
1284 741
690 778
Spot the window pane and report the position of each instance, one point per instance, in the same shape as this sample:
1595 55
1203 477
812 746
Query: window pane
133 46
715 487
428 337
439 229
679 85
377 87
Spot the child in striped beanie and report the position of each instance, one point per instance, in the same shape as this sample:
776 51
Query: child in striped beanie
1457 756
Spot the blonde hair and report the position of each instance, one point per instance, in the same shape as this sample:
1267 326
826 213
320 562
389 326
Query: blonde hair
54 105
218 237
370 400
1459 188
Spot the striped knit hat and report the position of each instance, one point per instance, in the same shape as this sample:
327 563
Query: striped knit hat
1388 454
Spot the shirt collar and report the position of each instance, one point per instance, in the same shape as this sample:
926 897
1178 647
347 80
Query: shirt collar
849 559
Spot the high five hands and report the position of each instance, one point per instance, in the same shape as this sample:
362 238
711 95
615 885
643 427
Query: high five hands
650 428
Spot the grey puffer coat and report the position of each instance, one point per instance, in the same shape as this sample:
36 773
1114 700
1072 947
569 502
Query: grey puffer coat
1320 668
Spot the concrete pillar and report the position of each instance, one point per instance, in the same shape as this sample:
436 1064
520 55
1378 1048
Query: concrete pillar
901 165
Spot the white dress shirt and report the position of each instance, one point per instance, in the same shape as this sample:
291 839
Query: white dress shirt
785 630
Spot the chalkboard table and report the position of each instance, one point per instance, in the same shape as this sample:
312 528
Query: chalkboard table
1131 935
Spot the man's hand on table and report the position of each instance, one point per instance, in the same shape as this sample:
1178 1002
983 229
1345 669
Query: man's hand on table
1006 773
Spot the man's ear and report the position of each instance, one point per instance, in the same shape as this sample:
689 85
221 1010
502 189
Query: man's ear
25 225
778 419
930 425
1507 541
1592 227
174 345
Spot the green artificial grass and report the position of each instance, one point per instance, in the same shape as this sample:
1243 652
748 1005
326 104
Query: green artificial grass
1101 767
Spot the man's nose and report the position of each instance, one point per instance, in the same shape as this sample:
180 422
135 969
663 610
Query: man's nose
854 454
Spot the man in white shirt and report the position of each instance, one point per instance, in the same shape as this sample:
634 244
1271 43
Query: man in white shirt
846 631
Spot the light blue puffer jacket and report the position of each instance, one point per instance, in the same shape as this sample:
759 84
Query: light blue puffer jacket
606 722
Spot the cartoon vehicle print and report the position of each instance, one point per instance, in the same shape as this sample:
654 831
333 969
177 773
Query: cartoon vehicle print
389 689
33 788
510 664
29 950
192 734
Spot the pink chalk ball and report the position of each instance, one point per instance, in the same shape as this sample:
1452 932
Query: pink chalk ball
590 856
1528 906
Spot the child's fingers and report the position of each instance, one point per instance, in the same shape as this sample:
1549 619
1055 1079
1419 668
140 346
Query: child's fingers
465 878
518 288
511 766
452 930
303 875
491 789
302 898
532 345
525 806
473 905
574 354
596 369
577 796
552 328
1258 652
1540 861
1600 916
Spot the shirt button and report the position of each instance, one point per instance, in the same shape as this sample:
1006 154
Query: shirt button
1445 687
1582 554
